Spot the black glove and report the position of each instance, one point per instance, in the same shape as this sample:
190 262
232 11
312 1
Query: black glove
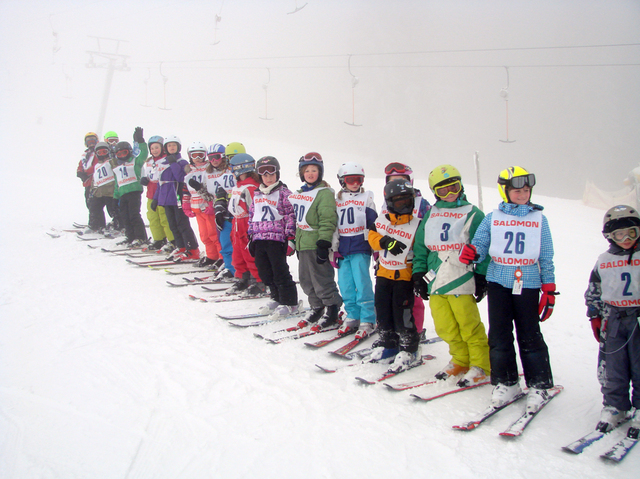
154 204
137 135
322 253
420 287
393 246
221 213
481 286
252 248
171 159
82 175
220 192
195 184
144 181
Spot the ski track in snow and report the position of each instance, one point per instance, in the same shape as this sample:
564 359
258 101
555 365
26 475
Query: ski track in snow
107 372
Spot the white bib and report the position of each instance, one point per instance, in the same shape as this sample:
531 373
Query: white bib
150 170
352 216
125 174
266 206
224 179
515 240
103 174
620 280
404 233
301 203
235 208
445 229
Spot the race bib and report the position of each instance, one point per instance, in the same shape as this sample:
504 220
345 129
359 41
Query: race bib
515 240
103 174
620 280
225 180
444 231
266 207
125 174
352 216
301 203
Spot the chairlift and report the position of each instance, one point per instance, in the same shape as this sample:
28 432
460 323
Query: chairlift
146 88
354 83
297 8
504 93
265 87
165 79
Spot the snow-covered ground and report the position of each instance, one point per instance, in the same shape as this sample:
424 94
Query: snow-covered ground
105 372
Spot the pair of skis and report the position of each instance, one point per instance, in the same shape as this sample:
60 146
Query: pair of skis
615 453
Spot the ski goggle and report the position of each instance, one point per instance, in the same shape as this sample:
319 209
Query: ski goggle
198 155
518 182
123 153
102 152
215 156
623 234
112 141
397 169
311 157
450 189
353 179
266 170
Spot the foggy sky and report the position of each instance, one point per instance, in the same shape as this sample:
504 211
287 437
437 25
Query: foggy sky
429 76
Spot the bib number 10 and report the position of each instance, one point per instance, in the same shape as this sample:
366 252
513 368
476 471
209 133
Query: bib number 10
516 243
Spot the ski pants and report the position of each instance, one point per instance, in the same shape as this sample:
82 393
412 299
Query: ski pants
183 234
158 223
619 361
226 247
418 312
394 312
96 211
317 281
241 258
130 214
356 287
208 233
458 323
505 310
271 261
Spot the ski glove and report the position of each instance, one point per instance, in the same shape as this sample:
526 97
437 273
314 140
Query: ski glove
208 209
137 135
195 184
596 325
322 253
547 301
335 259
144 181
291 247
171 159
154 205
481 286
186 207
468 254
420 287
393 246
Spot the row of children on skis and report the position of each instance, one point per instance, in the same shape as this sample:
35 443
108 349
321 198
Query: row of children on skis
448 253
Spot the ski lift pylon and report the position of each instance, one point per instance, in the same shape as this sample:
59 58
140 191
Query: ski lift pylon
146 88
265 87
165 79
504 93
354 83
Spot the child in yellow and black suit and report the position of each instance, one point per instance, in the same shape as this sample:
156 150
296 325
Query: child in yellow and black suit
393 234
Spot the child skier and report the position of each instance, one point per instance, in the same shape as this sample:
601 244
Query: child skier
272 229
243 167
102 187
172 171
193 205
314 206
128 171
356 214
393 234
517 238
613 306
158 223
448 225
86 164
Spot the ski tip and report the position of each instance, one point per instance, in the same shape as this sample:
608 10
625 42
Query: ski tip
326 370
365 381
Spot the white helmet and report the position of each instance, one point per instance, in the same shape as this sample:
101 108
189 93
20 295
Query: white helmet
349 169
197 146
172 139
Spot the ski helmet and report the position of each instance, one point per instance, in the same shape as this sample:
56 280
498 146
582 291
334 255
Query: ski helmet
90 135
311 158
350 169
399 196
446 178
103 151
394 169
123 150
172 139
268 164
618 217
111 137
156 139
197 146
215 148
514 177
234 148
242 163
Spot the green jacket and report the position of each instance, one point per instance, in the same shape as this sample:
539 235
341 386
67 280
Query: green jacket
138 162
452 276
322 217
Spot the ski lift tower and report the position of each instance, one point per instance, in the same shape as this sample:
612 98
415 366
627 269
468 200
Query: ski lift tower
107 56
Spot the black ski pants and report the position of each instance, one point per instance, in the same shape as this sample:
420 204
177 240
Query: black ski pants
130 214
271 261
179 224
394 314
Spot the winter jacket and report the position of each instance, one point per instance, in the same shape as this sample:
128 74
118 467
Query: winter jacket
355 208
377 233
452 276
261 226
150 170
321 217
86 166
170 183
137 163
106 189
241 201
533 275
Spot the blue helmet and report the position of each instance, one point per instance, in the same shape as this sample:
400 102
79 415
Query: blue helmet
242 163
215 148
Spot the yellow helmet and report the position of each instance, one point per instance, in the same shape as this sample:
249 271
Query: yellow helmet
514 177
233 149
89 135
443 174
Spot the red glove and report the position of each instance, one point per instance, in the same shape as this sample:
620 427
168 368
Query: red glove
547 301
468 254
291 247
596 324
186 207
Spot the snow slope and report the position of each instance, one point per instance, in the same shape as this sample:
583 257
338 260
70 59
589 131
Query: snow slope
106 372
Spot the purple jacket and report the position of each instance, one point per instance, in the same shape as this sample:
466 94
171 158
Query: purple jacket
170 184
262 227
